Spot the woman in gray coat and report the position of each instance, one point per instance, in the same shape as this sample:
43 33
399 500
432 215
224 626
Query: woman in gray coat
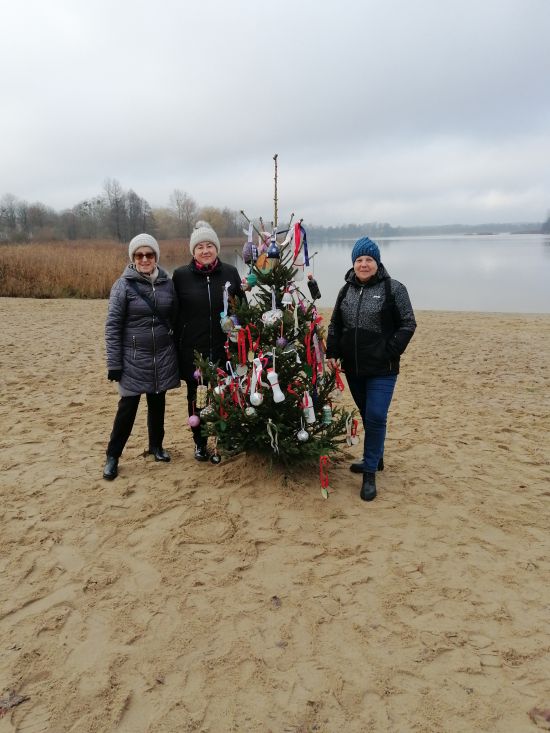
141 355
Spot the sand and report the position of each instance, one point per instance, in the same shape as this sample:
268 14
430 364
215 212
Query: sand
192 597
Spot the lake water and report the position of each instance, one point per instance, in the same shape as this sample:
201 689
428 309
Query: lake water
489 273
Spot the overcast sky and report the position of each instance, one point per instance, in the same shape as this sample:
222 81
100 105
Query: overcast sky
405 111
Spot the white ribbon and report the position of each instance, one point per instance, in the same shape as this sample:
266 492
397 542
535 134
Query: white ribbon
272 431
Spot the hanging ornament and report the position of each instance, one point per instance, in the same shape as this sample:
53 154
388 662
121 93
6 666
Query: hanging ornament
307 407
302 434
273 249
215 458
251 279
256 399
225 321
208 413
197 374
281 342
273 380
313 287
194 421
287 299
202 394
265 264
323 475
250 411
273 432
271 317
326 415
250 251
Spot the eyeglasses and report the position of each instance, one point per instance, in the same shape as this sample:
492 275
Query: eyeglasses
144 255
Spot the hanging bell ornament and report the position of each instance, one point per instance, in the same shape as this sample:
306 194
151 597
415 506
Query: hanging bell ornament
286 300
302 435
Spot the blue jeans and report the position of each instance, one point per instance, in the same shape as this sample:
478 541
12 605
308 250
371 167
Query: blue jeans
373 395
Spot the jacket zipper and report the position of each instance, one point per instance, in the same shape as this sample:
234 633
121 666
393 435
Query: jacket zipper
210 314
357 327
134 345
154 344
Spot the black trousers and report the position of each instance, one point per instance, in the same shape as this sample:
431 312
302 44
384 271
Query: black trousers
191 397
126 415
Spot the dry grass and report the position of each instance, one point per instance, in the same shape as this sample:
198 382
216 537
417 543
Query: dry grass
80 269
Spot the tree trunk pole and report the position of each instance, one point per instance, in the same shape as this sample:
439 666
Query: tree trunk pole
275 196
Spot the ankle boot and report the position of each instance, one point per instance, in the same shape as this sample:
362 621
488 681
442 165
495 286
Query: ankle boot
160 454
368 489
110 471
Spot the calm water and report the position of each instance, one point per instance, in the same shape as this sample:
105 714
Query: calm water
503 273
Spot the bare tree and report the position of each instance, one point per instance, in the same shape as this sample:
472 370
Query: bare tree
115 199
185 209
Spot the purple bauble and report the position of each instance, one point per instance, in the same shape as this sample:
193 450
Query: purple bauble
194 421
281 342
197 374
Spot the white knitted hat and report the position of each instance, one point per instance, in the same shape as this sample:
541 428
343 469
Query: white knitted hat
203 232
143 240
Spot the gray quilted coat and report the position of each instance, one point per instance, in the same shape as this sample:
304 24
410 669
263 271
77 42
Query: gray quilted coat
137 341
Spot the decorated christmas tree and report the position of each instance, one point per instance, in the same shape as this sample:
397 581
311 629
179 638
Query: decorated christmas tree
274 395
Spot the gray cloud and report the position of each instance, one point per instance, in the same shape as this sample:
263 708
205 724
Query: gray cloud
408 112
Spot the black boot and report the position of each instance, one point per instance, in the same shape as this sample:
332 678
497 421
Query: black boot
160 454
368 489
110 471
201 454
359 467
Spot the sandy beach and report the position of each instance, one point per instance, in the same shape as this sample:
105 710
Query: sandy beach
192 597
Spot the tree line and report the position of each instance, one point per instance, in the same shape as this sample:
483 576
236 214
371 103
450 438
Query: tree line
114 213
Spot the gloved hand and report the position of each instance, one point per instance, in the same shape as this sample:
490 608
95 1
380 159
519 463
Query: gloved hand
114 375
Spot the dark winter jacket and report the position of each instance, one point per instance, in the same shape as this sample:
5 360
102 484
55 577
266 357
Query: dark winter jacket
138 341
200 299
371 325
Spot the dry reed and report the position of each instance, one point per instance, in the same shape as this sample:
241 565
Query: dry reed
79 269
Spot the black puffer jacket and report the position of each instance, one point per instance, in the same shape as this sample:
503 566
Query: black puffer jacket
200 299
371 325
137 341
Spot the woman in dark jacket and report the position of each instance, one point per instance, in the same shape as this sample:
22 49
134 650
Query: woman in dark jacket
371 325
199 288
141 355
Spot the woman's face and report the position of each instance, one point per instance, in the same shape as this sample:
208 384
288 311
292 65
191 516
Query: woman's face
205 253
145 260
365 267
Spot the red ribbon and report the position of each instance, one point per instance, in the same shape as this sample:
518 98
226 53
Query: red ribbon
338 379
241 346
323 471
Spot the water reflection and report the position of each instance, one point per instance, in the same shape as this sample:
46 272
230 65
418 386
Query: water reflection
504 273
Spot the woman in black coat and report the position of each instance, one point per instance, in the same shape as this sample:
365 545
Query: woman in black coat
199 289
371 325
141 354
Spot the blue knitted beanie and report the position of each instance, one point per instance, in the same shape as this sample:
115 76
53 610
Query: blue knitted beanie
365 246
